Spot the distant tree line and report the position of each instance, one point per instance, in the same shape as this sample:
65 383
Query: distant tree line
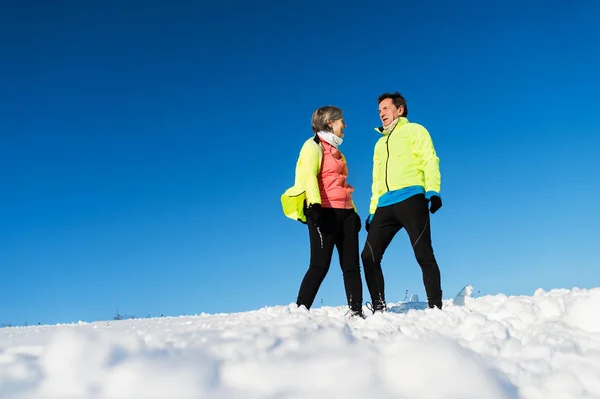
117 316
2 325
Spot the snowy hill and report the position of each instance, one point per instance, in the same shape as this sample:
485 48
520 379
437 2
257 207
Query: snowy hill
541 346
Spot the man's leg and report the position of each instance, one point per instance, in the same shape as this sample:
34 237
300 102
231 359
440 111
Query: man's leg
347 246
383 228
321 250
413 213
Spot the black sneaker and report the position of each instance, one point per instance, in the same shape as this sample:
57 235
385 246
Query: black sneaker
377 307
356 314
435 301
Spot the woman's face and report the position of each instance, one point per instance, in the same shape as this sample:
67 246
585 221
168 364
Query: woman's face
337 127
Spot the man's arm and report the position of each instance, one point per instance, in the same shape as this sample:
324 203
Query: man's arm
375 186
430 163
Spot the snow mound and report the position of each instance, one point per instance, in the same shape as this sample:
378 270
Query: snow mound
541 346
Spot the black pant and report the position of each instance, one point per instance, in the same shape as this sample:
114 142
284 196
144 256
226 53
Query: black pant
413 215
339 228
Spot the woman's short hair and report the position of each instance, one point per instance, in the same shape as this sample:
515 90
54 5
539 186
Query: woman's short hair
323 116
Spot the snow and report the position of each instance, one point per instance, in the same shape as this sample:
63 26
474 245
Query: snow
542 346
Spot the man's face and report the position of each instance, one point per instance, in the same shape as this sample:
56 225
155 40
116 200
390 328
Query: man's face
388 111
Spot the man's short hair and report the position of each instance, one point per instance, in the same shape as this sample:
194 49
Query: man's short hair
397 99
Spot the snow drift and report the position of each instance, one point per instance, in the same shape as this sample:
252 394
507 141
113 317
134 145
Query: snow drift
541 346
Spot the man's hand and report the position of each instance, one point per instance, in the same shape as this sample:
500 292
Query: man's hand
368 222
436 204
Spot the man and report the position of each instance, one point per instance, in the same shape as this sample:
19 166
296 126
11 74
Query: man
406 187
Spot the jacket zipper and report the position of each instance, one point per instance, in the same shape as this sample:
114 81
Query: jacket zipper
387 159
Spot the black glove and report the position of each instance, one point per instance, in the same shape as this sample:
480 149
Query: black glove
359 224
313 212
436 204
368 221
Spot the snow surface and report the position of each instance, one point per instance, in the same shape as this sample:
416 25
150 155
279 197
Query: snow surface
541 346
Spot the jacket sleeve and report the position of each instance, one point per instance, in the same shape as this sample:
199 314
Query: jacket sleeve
308 169
375 194
429 161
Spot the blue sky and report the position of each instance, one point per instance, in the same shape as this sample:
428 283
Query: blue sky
144 147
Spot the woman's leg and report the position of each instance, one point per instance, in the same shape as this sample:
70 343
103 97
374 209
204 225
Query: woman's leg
346 242
321 249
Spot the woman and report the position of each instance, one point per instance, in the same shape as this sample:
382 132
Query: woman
322 198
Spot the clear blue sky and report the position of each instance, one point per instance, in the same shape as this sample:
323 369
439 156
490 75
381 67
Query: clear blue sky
145 145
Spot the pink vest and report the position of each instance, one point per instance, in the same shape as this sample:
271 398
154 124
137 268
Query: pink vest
335 191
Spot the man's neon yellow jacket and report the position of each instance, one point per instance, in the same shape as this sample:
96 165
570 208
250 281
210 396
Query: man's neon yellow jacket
404 163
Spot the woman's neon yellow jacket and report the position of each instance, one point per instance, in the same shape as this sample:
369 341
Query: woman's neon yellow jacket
404 159
306 184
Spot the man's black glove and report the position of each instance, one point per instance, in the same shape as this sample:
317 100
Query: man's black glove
368 222
436 204
313 212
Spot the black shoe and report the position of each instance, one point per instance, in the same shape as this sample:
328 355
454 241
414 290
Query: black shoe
435 301
356 314
376 307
